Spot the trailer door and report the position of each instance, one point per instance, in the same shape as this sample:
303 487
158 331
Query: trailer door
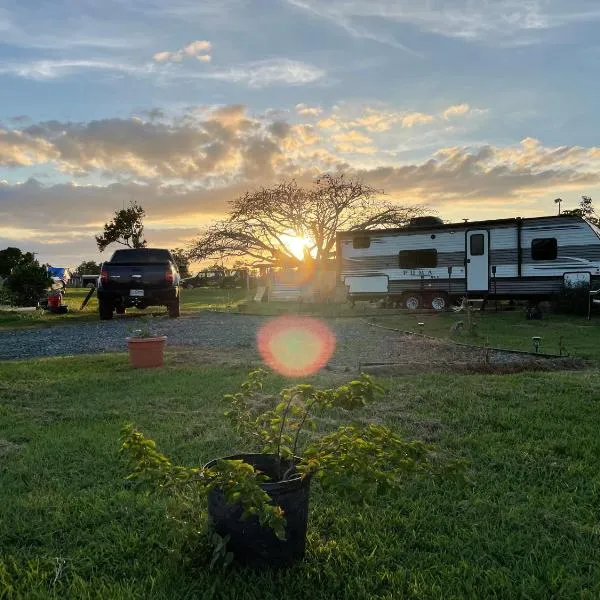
478 264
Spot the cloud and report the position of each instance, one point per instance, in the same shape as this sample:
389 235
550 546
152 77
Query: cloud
456 111
353 142
263 73
53 69
224 142
473 175
60 220
308 111
198 49
501 21
165 56
356 30
18 149
415 118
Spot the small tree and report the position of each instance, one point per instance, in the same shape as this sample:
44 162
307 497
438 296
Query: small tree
182 260
126 228
27 283
87 267
12 257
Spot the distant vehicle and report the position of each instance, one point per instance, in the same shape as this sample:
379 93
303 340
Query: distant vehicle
139 277
224 278
89 280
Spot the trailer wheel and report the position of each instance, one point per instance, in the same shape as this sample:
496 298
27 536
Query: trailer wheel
106 310
439 302
412 302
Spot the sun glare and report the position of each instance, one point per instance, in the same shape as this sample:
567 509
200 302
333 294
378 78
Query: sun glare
295 346
296 244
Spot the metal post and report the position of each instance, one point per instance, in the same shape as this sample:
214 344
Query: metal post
495 288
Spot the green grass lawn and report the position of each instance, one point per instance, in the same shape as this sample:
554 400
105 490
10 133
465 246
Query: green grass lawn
191 300
525 525
580 337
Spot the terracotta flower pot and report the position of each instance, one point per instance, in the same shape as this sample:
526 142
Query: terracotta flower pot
146 353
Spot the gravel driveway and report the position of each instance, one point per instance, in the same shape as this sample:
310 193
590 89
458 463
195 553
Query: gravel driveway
357 342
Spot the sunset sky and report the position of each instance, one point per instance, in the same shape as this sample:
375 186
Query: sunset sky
478 108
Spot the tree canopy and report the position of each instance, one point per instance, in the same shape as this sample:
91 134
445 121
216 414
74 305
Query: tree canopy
26 280
13 257
262 224
126 228
586 210
182 260
88 267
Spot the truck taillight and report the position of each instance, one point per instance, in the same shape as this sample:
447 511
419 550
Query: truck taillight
169 276
104 276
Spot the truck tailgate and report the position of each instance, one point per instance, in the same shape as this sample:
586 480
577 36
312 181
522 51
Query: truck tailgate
131 277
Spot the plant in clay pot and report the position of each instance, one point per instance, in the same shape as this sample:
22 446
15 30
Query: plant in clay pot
146 349
258 502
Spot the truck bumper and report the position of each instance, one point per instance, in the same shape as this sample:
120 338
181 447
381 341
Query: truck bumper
150 298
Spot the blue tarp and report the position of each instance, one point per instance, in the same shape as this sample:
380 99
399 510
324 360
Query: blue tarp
58 272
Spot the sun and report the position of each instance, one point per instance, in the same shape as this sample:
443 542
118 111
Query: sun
296 244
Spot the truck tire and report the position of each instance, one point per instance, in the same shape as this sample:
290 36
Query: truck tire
105 310
173 308
412 301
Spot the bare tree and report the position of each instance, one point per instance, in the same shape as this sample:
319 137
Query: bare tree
261 222
126 228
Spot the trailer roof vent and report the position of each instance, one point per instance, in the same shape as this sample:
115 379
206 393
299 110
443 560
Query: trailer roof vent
425 222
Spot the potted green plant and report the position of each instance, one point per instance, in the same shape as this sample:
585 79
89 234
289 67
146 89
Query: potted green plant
146 349
258 502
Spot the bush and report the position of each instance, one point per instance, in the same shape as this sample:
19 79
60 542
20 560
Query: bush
6 296
27 283
574 299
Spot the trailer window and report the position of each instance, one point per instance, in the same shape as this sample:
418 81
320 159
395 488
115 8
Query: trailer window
418 259
361 242
477 244
544 249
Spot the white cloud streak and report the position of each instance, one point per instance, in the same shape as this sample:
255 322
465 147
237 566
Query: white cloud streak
497 21
264 73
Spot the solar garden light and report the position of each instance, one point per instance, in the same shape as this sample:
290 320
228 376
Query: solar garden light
536 343
421 326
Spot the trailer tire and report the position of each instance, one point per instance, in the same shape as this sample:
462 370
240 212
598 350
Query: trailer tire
439 302
105 310
412 302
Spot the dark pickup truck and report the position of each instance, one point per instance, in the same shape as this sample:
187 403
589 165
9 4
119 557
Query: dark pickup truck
139 277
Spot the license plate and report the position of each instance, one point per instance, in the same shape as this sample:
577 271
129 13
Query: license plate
136 292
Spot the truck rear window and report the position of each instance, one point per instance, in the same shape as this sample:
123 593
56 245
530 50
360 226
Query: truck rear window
141 255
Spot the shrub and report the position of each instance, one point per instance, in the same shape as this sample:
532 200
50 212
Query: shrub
27 283
574 299
355 461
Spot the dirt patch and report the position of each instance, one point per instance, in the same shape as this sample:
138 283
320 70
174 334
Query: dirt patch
185 355
461 367
7 448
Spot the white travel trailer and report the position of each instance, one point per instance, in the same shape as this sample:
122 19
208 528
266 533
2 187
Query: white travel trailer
430 263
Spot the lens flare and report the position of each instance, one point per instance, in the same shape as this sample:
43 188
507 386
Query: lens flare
295 346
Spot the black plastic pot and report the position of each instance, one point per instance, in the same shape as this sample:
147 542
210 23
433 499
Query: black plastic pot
251 543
